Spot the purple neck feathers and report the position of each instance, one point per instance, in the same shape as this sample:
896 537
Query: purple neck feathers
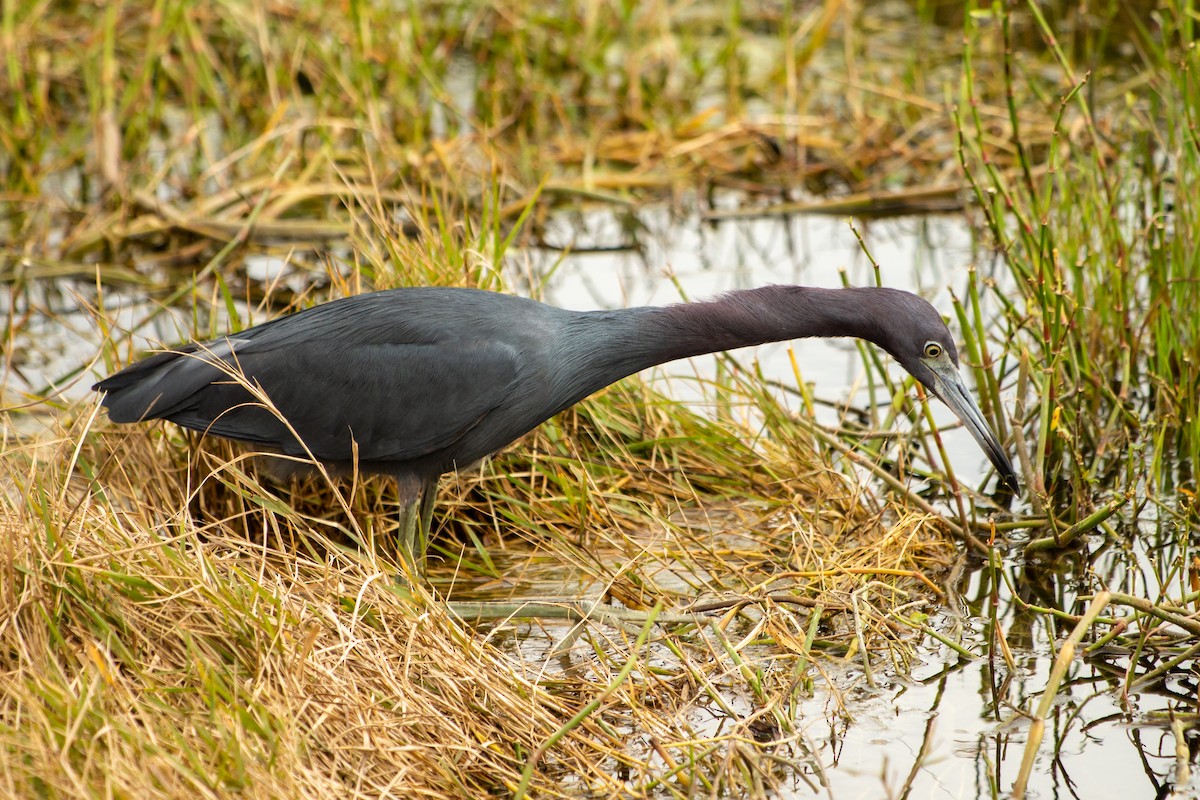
619 343
625 342
757 316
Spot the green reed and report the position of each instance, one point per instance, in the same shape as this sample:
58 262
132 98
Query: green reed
1097 236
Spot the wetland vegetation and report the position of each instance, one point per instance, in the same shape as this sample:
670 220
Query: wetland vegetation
778 606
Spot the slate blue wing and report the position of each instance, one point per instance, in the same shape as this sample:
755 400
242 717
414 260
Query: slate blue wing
335 394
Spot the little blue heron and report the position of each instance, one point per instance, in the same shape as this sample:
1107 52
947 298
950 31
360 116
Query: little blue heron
417 382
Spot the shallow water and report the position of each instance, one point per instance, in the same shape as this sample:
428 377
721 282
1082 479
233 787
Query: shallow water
952 727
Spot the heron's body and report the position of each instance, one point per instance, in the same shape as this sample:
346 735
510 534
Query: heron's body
390 377
417 382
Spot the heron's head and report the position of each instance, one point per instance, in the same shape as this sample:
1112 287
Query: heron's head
914 333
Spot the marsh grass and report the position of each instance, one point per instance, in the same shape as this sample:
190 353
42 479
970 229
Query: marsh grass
1104 268
1094 231
127 537
176 128
177 624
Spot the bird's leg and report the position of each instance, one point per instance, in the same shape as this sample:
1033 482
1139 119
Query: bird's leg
428 498
411 494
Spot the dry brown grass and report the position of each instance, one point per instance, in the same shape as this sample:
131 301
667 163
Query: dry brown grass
172 629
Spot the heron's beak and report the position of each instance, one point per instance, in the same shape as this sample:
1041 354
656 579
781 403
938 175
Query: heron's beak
949 387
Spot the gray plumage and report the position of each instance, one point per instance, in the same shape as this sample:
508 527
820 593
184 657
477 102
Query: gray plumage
423 380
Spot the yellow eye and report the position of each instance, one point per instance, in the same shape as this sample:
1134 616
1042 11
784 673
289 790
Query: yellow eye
932 350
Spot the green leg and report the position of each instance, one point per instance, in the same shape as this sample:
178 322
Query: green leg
410 536
428 498
416 516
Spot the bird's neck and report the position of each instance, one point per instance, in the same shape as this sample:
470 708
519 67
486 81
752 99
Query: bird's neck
757 316
620 343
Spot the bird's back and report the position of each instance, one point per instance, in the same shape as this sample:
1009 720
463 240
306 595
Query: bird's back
397 379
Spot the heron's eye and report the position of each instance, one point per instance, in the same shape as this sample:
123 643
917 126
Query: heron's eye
932 350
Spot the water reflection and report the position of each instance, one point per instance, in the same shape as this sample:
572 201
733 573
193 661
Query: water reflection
953 727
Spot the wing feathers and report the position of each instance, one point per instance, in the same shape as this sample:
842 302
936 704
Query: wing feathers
396 401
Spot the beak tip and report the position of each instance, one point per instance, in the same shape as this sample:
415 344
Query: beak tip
1007 480
949 388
